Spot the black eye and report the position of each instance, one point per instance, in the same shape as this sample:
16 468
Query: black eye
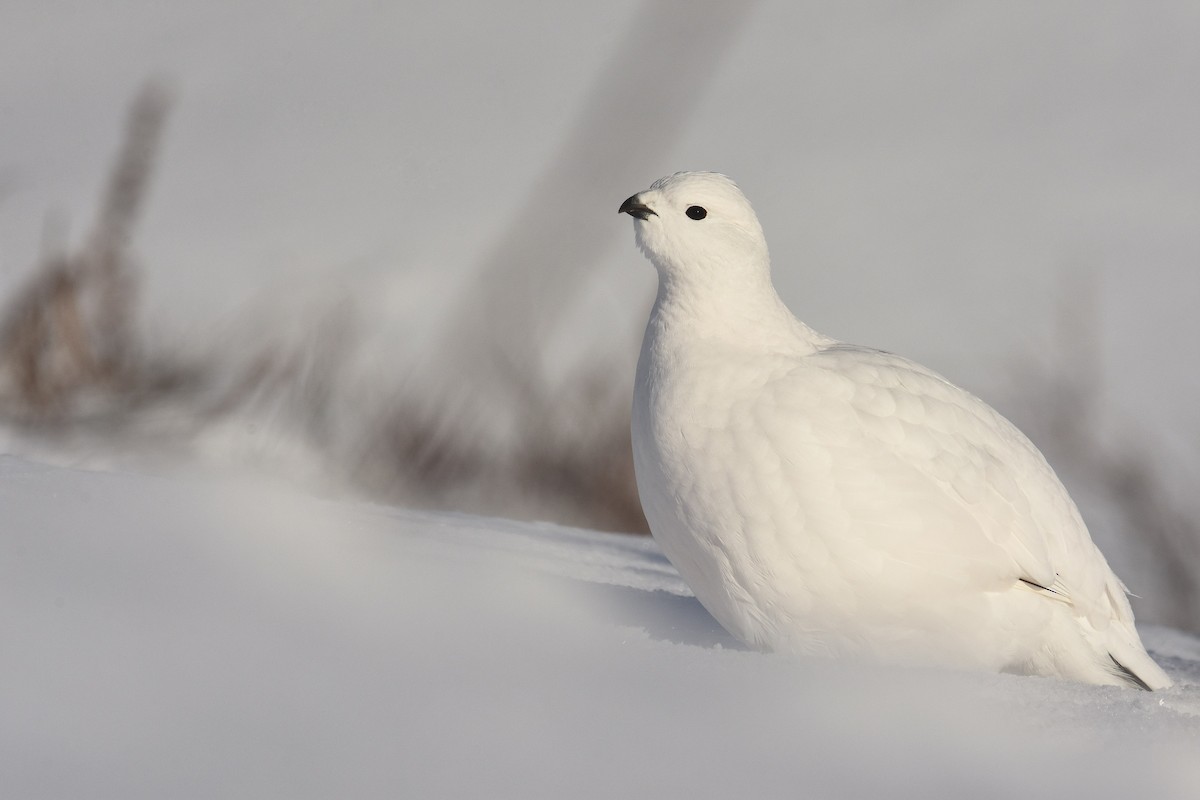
696 212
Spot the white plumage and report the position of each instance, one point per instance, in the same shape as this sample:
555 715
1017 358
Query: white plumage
822 498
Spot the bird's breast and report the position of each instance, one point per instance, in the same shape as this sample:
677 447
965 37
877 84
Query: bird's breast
716 489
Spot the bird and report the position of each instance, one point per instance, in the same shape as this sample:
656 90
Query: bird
824 499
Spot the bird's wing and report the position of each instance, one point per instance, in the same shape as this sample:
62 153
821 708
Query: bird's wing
920 463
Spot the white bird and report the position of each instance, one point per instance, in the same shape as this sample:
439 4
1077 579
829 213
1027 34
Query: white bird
822 498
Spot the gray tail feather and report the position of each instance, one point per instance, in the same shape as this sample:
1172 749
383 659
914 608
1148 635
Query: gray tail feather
1126 674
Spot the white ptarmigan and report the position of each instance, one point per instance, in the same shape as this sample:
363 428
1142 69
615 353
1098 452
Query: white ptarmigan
826 499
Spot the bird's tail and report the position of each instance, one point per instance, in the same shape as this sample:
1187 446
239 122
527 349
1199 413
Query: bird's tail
1130 661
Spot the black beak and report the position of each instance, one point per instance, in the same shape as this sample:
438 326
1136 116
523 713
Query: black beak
636 208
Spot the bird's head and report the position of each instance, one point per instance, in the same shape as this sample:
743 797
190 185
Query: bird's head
697 225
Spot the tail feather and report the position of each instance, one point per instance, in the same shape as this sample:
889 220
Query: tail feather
1126 674
1132 664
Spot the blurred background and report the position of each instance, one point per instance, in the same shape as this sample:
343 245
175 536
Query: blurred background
373 248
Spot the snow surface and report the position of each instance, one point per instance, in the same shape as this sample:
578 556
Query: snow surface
193 636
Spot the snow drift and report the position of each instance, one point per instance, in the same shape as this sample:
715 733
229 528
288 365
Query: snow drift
212 637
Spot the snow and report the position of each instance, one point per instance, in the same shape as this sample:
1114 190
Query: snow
201 636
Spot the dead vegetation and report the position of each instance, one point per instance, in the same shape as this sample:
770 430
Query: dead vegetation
67 338
76 367
73 362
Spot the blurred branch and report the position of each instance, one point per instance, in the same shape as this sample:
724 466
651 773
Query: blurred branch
633 113
494 347
107 255
68 329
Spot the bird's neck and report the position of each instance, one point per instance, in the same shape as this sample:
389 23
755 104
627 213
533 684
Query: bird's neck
734 308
